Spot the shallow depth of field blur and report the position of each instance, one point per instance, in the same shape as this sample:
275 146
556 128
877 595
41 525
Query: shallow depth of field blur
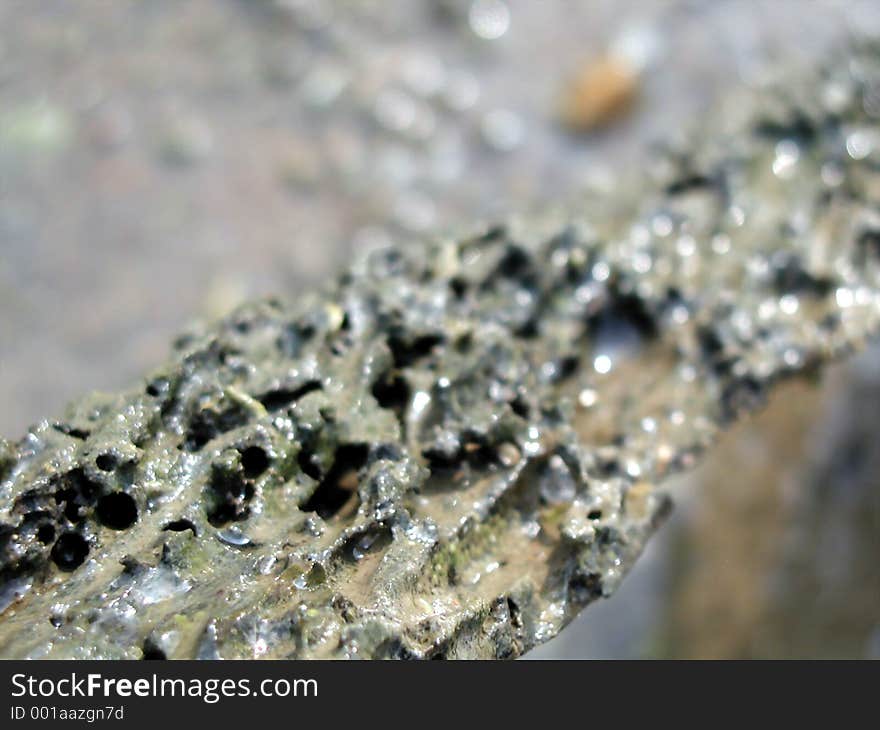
163 161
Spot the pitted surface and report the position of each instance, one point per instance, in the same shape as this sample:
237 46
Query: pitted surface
455 447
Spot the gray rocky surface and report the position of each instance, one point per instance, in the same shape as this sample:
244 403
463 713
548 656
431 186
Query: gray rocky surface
455 446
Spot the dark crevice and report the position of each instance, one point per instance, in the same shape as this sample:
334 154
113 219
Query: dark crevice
565 367
151 651
529 330
459 287
207 424
117 510
46 533
70 551
228 495
341 483
106 462
624 318
388 452
474 453
739 396
798 128
306 462
407 351
688 183
711 346
254 461
868 241
69 430
392 391
276 400
515 264
180 526
393 649
306 458
158 387
584 587
293 337
370 540
792 278
520 407
478 453
515 613
77 493
440 462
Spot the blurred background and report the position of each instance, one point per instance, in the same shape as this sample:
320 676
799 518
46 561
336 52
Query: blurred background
163 161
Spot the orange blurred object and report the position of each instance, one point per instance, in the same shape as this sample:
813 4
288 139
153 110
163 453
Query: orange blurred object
601 92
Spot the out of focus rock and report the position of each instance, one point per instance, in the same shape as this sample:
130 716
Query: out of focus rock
600 93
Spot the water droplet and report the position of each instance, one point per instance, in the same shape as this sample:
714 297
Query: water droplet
508 454
489 19
601 271
234 537
556 484
395 110
638 45
602 364
503 130
323 85
662 225
860 144
789 304
787 155
588 397
721 243
462 92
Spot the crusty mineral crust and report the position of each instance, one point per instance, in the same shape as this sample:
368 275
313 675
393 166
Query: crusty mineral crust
453 449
